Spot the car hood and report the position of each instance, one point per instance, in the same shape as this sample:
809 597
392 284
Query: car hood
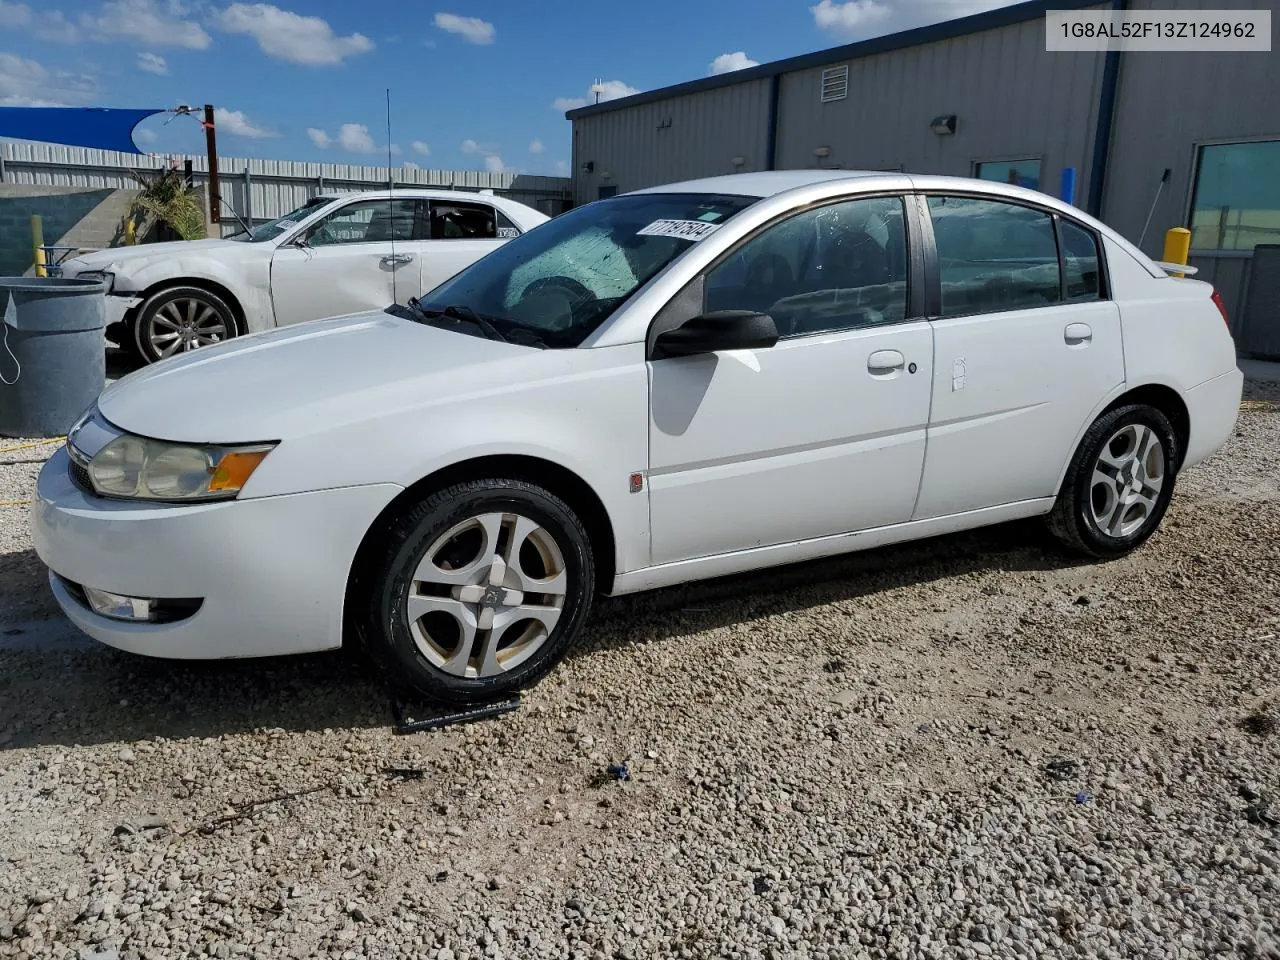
310 377
109 259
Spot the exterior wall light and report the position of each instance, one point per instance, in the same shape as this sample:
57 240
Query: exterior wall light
944 126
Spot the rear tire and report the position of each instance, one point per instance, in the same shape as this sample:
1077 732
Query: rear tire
178 320
1119 484
476 592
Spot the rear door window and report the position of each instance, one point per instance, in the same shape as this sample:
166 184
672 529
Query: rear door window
458 220
994 256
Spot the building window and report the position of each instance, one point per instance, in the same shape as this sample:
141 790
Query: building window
607 190
1236 204
1022 173
835 83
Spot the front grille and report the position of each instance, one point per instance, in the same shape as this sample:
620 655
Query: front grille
80 476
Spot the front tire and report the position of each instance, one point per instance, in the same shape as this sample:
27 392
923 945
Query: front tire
1119 484
478 591
178 320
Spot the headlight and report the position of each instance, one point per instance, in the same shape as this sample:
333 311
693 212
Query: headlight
137 468
105 276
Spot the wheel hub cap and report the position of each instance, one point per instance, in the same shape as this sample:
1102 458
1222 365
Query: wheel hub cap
182 325
487 595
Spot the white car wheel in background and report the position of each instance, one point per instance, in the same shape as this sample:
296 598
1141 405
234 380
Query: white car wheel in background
1119 483
477 592
181 319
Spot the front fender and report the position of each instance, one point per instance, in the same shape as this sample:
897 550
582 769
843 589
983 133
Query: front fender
247 282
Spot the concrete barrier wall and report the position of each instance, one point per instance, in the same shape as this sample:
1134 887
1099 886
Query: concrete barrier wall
61 207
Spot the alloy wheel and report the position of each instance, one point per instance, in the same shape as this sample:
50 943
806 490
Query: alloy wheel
1127 478
184 324
487 595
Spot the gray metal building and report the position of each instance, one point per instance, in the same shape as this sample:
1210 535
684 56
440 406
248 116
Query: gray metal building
1117 119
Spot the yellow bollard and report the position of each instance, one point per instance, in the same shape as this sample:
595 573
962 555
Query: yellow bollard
130 231
1177 246
37 244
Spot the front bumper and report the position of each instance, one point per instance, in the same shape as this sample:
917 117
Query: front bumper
271 572
118 307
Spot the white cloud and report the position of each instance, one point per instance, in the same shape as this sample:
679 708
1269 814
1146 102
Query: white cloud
26 83
290 36
562 168
410 165
607 90
536 147
860 19
14 14
152 63
729 62
470 146
355 138
319 137
493 163
236 124
152 22
471 29
421 149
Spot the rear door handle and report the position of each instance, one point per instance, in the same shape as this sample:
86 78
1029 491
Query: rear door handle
395 259
884 362
1077 334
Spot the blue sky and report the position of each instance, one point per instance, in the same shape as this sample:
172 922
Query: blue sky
475 84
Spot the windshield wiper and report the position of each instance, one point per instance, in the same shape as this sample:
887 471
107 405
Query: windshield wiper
458 312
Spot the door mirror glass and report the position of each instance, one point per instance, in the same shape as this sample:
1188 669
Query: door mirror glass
719 330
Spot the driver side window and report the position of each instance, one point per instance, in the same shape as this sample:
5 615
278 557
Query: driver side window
835 267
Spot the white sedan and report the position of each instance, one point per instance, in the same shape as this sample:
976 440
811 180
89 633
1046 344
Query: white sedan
678 383
336 254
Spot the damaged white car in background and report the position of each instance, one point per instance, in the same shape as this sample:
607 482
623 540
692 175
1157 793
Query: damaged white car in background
336 254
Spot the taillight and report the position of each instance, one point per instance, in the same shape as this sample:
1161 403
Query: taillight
1222 308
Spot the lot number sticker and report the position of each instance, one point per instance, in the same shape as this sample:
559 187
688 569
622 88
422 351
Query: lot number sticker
694 230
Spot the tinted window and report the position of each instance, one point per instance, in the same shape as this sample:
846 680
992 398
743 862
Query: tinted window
1079 262
506 228
462 221
366 221
832 268
1237 198
993 256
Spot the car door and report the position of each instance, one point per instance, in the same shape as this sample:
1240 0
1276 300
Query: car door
456 234
823 433
355 258
1026 344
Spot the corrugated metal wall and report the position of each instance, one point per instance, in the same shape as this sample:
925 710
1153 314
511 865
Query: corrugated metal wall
1166 107
696 135
1012 100
273 187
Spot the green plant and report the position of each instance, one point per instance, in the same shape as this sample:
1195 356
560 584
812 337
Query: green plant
165 196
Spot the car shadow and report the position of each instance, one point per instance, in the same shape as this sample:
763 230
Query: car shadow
59 687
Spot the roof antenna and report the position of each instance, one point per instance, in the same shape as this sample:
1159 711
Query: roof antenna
391 203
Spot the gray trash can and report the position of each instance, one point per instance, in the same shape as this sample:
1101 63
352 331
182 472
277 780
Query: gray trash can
52 353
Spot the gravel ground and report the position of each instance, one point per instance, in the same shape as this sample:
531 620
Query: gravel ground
844 759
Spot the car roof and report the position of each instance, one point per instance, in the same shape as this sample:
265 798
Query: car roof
764 183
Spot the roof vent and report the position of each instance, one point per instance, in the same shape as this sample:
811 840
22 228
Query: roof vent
835 83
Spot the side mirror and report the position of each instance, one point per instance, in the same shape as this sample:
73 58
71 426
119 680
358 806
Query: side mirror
718 330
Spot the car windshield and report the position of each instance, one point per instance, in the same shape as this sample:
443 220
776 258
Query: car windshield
560 281
273 228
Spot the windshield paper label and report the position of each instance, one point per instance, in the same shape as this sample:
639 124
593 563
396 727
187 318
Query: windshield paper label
694 230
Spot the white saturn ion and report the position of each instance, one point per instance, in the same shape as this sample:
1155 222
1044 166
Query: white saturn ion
677 383
336 254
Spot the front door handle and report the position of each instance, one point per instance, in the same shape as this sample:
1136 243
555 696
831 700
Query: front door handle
1077 334
884 362
395 259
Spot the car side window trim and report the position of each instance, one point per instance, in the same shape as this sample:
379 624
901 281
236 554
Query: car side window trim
690 300
933 270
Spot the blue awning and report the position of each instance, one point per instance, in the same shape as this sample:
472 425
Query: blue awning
102 128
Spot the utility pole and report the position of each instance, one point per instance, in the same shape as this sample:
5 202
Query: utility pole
211 141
